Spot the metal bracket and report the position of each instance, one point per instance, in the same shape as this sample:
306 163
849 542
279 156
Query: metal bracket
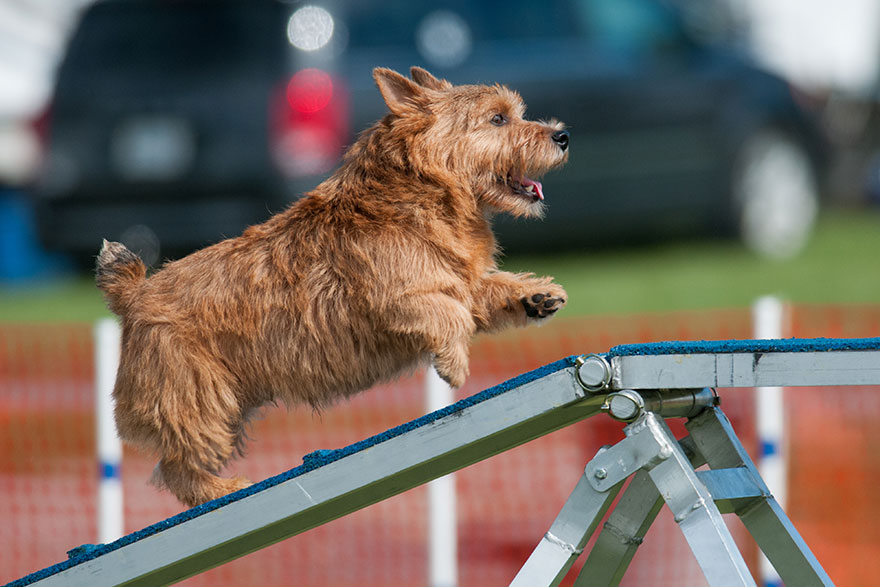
645 446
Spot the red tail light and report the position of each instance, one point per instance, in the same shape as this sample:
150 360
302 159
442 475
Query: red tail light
309 123
310 91
22 149
40 123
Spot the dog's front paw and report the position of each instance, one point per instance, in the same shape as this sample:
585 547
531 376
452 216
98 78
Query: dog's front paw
542 305
454 380
452 366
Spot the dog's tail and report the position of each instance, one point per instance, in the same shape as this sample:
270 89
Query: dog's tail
117 272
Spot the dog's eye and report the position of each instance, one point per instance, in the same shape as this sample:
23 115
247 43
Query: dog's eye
498 120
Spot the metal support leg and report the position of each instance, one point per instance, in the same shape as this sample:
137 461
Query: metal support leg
762 515
602 480
691 504
568 535
622 534
649 445
626 527
664 471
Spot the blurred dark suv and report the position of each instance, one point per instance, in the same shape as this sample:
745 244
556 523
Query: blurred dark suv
175 124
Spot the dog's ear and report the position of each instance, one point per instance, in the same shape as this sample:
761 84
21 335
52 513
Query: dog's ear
424 78
401 94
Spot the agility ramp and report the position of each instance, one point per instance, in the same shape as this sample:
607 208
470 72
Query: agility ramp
638 384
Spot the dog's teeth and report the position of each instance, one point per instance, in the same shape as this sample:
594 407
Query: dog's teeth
530 189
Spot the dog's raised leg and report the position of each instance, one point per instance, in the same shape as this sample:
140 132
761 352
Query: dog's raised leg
441 325
190 416
515 299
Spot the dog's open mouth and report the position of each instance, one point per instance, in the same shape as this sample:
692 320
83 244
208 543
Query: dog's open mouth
524 186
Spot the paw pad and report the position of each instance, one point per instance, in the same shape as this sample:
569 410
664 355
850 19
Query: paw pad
541 305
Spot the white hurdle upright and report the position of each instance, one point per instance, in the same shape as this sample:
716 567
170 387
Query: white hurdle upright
109 450
442 513
768 322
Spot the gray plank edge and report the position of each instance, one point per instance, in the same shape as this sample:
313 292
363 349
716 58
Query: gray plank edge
787 369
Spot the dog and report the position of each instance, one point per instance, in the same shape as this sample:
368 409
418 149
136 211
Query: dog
387 265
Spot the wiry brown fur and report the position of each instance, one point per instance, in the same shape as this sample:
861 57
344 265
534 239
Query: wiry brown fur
388 264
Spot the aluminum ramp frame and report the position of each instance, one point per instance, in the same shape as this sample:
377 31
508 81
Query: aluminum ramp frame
331 484
646 383
664 473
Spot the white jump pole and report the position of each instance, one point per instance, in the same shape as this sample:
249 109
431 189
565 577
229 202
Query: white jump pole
768 315
442 518
109 450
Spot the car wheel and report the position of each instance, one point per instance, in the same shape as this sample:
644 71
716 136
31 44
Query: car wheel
775 195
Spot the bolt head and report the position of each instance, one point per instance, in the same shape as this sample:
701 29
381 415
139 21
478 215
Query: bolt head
593 372
623 407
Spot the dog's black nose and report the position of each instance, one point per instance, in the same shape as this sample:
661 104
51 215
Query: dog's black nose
560 137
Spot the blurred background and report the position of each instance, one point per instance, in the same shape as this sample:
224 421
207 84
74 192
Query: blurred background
721 150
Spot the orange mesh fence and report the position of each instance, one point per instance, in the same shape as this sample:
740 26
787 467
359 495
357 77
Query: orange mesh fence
48 470
48 475
834 455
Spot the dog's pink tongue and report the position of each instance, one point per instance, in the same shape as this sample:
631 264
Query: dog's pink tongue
539 189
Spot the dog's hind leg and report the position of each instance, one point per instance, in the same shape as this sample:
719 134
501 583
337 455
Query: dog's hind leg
192 455
192 485
196 420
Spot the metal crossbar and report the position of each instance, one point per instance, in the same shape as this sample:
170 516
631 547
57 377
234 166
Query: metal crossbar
331 484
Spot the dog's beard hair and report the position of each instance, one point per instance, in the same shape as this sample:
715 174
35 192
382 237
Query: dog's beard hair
494 192
490 183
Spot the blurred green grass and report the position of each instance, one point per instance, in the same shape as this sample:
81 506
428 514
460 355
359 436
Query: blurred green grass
839 266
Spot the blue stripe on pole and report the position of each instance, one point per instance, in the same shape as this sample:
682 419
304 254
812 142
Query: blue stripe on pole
768 449
109 470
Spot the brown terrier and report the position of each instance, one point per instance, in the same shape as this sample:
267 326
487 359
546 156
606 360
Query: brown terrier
386 265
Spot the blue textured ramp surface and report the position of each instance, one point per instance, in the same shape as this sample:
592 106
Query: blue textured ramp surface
311 462
783 345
